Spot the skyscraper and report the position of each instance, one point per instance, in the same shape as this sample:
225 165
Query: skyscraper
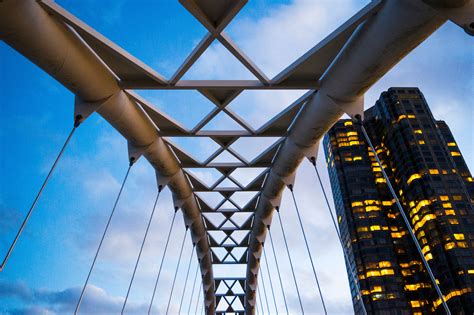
435 187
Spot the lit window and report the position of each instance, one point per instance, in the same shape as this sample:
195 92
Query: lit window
375 228
357 204
401 117
420 204
449 245
451 144
444 198
373 273
371 202
453 221
357 158
413 177
385 264
348 123
421 142
386 272
418 131
372 208
380 180
454 153
426 218
425 249
414 287
434 171
451 295
376 288
459 236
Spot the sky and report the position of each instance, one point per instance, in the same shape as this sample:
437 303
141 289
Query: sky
48 267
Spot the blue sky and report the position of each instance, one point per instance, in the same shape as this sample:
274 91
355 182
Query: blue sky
52 258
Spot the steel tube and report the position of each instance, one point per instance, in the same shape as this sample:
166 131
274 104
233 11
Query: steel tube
375 47
51 45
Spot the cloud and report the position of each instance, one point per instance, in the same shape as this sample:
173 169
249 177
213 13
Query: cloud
272 46
274 39
442 68
287 31
35 310
15 290
45 301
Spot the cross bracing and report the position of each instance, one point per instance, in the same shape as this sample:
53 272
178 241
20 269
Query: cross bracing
231 228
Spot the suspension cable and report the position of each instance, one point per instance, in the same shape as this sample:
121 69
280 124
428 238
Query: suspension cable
162 260
40 192
407 222
291 263
198 297
270 278
102 239
265 291
186 281
307 248
177 268
194 286
278 269
160 188
203 308
260 298
344 250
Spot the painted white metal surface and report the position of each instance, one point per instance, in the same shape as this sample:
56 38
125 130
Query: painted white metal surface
337 71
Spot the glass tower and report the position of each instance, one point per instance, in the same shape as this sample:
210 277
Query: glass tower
435 187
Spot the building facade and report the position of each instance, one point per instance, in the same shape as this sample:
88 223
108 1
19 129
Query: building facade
435 187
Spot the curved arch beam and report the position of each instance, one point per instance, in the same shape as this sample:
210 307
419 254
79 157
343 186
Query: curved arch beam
50 44
375 47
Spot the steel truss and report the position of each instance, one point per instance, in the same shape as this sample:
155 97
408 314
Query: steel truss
337 72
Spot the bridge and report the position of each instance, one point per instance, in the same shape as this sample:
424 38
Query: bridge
337 71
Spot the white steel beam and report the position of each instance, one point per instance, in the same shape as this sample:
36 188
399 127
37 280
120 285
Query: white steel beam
28 28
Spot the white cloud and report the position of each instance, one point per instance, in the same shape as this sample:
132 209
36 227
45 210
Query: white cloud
287 31
279 37
48 302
